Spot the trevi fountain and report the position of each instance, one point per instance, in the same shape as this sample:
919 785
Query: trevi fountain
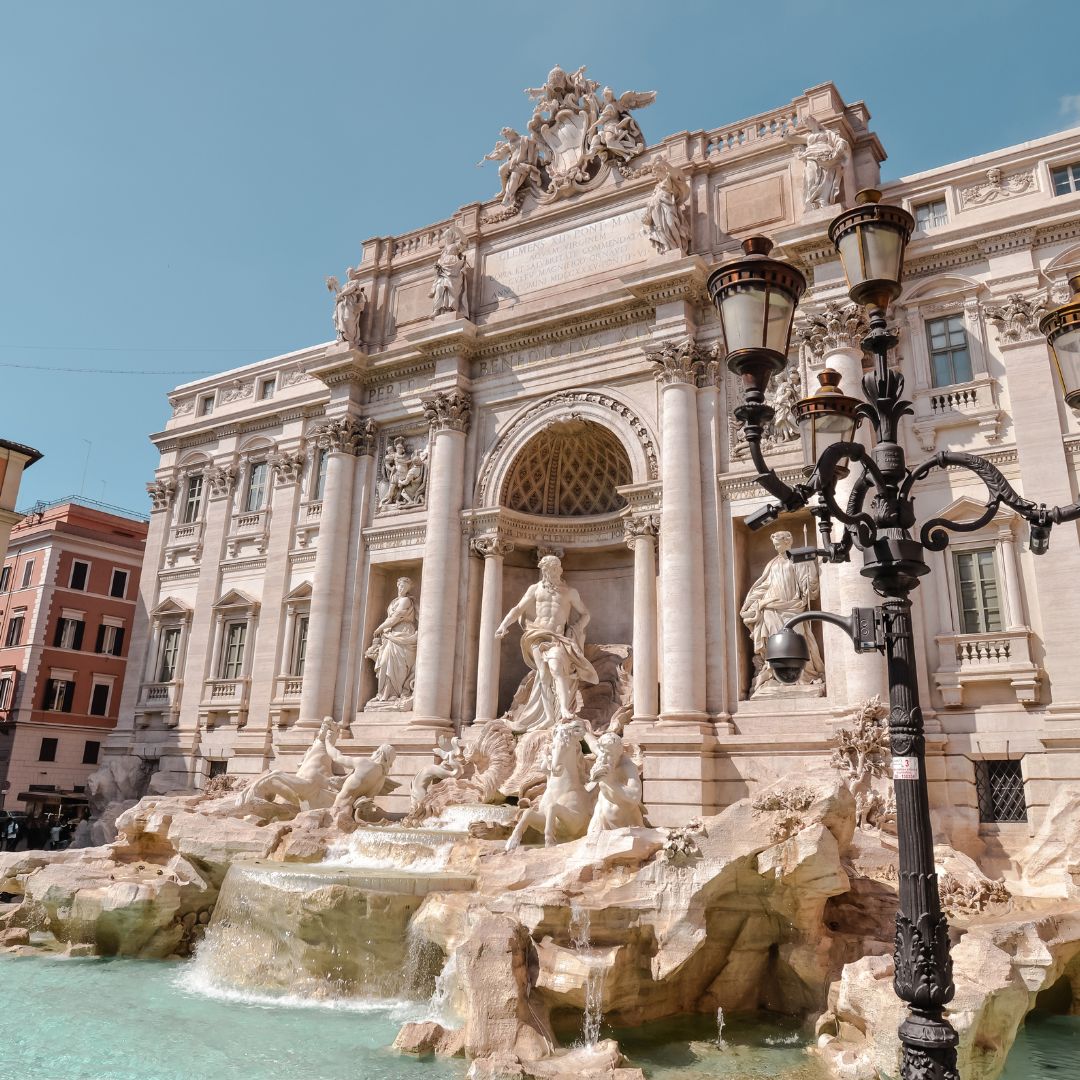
542 866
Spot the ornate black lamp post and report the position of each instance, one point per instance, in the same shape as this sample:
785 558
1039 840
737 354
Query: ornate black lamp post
756 297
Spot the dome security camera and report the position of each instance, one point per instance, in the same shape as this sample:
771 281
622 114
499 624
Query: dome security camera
787 653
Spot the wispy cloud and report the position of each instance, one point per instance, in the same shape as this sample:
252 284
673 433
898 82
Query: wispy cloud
1069 110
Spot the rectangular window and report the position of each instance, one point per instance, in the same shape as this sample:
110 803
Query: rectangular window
80 574
14 631
6 683
256 491
48 750
206 405
59 695
99 700
300 645
5 578
267 388
320 475
1000 787
110 640
977 591
931 215
69 634
192 499
217 767
232 658
950 360
170 654
28 574
1066 178
118 586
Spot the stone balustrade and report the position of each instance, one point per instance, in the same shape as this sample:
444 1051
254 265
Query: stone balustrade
941 408
969 660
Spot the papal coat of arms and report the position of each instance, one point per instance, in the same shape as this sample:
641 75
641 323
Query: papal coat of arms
573 136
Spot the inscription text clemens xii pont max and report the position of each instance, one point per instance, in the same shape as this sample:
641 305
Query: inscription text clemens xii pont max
551 260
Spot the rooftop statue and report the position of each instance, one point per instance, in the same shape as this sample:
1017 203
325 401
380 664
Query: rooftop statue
823 155
572 135
349 303
450 291
666 220
553 621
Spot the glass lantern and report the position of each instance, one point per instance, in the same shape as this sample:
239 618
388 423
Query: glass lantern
870 239
1062 329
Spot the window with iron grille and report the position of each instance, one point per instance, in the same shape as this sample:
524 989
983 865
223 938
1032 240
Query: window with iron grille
1000 787
217 767
950 360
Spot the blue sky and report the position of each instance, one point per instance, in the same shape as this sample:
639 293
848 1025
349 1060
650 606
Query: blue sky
178 179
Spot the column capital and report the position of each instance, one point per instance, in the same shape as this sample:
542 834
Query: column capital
448 410
677 361
221 480
347 435
287 466
162 493
839 324
487 547
634 528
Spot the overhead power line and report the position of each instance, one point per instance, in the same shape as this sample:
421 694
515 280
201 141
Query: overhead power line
101 371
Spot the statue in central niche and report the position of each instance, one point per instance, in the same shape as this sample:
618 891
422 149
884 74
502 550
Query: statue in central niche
553 621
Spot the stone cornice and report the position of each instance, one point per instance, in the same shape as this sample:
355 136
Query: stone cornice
383 537
169 441
737 486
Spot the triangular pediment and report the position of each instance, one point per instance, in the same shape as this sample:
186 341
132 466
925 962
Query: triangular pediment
301 592
234 598
967 509
170 606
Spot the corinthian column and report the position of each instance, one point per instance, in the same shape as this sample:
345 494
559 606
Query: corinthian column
492 549
832 338
448 413
682 566
343 439
640 534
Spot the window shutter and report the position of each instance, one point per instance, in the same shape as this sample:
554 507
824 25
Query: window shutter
100 645
118 641
80 626
59 635
46 701
69 696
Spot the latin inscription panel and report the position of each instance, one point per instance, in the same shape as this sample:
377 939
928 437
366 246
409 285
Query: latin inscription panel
550 261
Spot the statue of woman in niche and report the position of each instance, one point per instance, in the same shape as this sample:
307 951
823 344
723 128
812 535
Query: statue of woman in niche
450 291
784 589
393 651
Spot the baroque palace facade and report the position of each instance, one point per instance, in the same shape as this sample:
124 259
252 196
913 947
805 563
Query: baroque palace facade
340 531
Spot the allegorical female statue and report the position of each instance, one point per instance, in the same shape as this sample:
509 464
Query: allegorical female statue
823 157
349 302
450 291
393 650
785 588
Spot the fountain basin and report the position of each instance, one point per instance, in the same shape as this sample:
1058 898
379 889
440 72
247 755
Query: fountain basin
320 931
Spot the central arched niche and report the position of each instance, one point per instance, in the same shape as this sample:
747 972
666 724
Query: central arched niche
572 468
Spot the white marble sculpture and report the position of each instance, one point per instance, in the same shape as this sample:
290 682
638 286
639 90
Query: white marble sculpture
404 476
349 303
520 158
450 290
365 776
565 808
278 795
451 766
618 786
666 220
786 391
823 155
553 621
615 130
393 651
784 589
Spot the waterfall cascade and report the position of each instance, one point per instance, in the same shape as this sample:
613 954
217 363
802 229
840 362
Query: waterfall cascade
581 942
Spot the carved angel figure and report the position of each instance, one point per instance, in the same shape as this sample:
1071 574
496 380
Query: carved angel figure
823 155
405 473
349 303
615 130
450 290
666 220
520 166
